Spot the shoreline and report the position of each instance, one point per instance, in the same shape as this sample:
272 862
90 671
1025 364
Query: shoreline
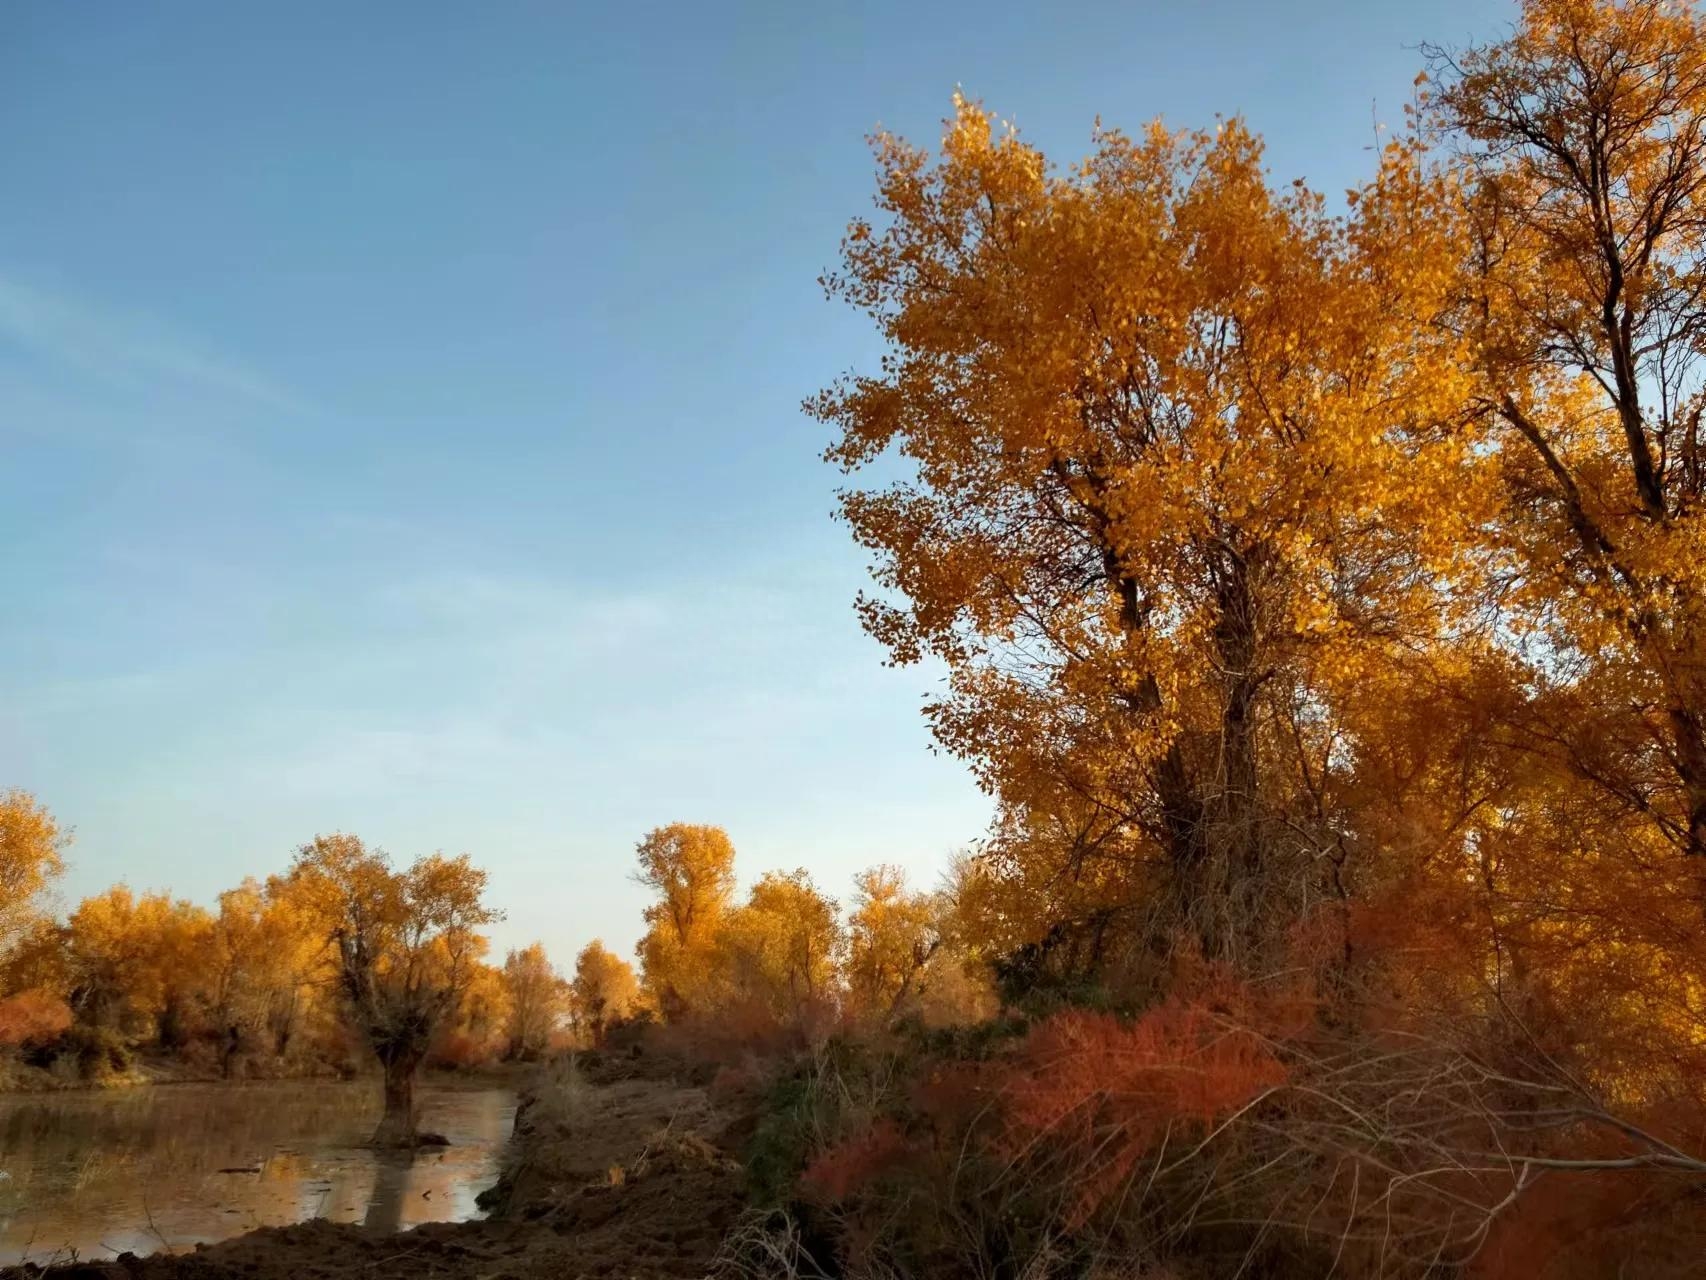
614 1168
42 1083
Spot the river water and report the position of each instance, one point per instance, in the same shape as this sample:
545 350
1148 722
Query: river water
104 1171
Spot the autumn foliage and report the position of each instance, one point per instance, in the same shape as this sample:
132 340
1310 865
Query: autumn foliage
1319 587
1103 1092
339 963
31 841
604 990
32 1017
785 966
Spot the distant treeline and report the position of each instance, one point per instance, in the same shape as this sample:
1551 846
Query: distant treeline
256 986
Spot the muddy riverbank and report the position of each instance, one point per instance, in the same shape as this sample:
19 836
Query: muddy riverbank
614 1171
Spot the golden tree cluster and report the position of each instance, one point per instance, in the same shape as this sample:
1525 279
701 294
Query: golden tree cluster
784 957
1323 592
342 957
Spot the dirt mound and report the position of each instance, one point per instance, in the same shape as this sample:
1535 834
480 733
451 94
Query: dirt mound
572 1132
664 1215
322 1250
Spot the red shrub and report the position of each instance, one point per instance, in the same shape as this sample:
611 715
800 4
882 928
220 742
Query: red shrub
460 1051
32 1017
850 1166
1101 1092
731 1034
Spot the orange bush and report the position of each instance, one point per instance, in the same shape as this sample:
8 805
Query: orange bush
461 1051
731 1034
32 1017
1098 1092
848 1167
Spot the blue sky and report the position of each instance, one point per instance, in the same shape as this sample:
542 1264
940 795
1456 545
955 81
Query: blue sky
399 424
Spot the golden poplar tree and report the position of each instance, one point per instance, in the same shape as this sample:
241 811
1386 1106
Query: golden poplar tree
31 842
404 946
691 869
782 946
538 998
1179 471
604 989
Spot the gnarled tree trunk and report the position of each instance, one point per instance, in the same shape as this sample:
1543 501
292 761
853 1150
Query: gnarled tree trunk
397 1125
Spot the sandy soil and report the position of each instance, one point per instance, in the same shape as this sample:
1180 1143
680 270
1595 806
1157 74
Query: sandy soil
622 1175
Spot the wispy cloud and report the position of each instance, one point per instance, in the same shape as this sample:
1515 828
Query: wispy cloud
126 347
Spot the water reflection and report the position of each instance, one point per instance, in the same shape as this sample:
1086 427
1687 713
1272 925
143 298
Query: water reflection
146 1169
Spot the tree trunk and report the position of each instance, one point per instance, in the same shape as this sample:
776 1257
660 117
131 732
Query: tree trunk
1233 913
230 1044
397 1125
1691 770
